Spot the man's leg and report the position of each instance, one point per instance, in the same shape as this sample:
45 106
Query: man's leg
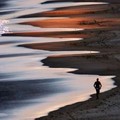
97 93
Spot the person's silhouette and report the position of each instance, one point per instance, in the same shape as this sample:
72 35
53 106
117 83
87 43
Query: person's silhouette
97 86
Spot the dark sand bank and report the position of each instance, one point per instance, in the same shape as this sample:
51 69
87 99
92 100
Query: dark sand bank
102 40
78 11
87 64
54 1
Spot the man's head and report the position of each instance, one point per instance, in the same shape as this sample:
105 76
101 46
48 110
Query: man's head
97 79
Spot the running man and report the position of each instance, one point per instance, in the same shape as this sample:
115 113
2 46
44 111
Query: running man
97 86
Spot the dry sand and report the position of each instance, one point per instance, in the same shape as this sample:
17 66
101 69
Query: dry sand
102 33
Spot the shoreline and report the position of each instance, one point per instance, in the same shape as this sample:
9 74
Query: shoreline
104 108
82 110
99 34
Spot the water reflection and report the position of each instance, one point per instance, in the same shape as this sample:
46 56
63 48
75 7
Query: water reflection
3 27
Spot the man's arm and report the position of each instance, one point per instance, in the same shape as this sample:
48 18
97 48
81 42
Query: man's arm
94 85
100 85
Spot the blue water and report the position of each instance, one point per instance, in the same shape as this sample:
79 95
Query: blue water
27 88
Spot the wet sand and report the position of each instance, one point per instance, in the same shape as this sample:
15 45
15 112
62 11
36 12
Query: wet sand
101 33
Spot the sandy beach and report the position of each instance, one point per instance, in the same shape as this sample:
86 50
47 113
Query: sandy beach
101 24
